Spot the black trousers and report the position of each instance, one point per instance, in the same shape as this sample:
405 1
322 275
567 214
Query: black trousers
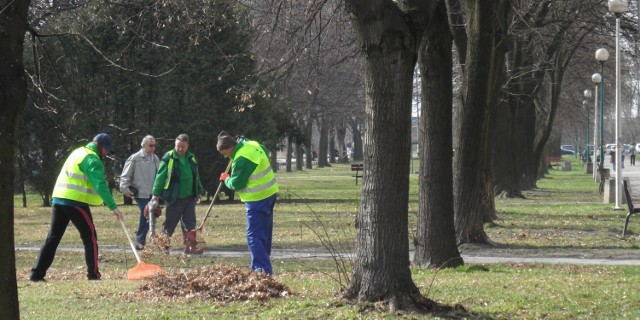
83 221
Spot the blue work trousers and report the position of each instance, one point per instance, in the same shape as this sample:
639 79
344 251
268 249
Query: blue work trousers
143 224
259 232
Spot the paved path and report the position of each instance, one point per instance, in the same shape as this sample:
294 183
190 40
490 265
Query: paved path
469 258
631 172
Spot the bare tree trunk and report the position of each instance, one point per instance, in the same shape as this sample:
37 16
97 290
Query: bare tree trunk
308 135
21 178
323 143
289 152
341 132
473 173
381 270
299 156
13 96
358 153
435 240
332 145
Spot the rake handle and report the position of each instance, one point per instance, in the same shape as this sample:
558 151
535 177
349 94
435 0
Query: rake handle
213 200
133 247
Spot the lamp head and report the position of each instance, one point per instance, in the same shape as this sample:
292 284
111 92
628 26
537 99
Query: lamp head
587 94
617 6
602 55
596 78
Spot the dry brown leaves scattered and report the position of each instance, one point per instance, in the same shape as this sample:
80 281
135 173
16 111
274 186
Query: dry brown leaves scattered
158 244
215 283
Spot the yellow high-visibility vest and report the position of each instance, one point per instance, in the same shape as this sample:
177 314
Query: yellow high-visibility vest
262 182
72 183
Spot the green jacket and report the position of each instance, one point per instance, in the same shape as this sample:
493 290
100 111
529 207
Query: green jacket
177 177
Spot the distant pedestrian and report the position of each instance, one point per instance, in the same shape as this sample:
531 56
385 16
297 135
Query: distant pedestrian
81 183
632 155
612 159
136 181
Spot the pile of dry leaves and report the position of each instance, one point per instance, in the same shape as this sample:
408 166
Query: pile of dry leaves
215 283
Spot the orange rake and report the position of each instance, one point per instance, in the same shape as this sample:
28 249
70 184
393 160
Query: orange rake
142 270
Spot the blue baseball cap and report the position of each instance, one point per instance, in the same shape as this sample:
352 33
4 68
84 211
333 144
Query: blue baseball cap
104 140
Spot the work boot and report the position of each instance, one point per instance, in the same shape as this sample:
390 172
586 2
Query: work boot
191 244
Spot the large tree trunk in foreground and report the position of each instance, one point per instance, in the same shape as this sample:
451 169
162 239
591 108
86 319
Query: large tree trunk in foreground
435 240
13 96
381 270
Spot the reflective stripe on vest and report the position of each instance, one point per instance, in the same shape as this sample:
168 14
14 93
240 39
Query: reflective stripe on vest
262 182
72 183
169 170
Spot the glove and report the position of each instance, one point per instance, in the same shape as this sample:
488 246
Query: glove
154 207
224 176
157 211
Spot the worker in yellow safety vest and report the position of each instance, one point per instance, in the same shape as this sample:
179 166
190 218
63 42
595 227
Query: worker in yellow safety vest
254 181
81 183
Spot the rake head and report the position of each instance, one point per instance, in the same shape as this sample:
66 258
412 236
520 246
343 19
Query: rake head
144 271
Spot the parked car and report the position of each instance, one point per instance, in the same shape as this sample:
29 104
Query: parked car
567 149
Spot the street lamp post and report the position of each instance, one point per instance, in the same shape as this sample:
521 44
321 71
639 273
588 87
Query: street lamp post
595 78
586 156
602 55
617 7
587 96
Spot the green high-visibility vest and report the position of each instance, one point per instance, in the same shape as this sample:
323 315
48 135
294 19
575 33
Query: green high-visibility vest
262 182
72 183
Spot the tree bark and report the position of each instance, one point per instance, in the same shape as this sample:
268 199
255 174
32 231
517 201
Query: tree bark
358 153
323 143
435 241
289 152
13 95
299 156
381 270
308 135
473 181
332 144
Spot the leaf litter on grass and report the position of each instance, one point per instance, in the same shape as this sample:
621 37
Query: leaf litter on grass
218 283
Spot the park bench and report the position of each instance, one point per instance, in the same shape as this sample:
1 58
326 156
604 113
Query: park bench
553 161
359 169
632 210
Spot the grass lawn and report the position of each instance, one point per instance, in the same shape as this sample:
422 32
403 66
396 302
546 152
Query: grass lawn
564 216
